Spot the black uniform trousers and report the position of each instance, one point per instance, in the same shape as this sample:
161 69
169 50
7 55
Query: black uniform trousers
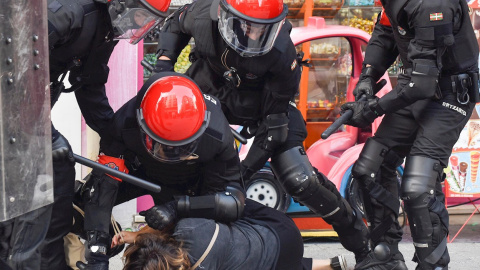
427 128
61 221
35 239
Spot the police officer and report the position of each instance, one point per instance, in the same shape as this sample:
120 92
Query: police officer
173 135
424 115
244 56
82 35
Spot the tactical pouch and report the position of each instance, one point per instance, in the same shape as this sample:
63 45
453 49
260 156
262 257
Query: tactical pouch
465 86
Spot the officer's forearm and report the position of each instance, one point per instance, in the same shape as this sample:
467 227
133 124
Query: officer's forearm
225 206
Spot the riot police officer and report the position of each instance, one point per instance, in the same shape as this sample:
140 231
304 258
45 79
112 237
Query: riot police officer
245 57
82 35
424 115
173 135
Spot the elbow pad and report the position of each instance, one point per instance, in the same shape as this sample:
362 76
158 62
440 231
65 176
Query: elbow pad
225 206
423 83
277 130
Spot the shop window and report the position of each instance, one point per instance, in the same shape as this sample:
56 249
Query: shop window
328 77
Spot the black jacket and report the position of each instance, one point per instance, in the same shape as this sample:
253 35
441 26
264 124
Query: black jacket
439 31
217 163
81 41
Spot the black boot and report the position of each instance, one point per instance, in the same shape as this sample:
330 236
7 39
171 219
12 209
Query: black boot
381 259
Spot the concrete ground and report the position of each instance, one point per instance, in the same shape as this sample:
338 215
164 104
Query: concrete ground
463 250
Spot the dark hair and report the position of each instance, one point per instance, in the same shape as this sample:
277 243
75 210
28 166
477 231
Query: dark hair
155 250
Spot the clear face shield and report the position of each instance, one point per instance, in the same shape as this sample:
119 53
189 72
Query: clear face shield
168 153
246 37
132 21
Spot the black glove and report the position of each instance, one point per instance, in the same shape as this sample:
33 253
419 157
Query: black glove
62 150
96 246
160 216
367 83
249 131
163 65
92 265
363 114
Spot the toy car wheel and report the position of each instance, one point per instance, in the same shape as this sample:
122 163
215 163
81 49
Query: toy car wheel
354 196
265 189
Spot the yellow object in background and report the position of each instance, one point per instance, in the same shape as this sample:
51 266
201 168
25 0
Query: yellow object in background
183 63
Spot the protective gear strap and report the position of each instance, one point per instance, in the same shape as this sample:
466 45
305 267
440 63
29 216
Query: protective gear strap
113 163
437 254
365 169
383 196
225 206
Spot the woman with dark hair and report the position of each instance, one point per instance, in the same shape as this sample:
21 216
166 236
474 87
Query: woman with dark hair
263 239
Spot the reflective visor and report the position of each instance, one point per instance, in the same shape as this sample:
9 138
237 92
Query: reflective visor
168 153
133 23
246 37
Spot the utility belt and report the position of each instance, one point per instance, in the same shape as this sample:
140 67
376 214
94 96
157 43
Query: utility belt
465 87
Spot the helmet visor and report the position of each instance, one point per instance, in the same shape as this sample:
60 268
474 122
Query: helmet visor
133 23
169 153
245 37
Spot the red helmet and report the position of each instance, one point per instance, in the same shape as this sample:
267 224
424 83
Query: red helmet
250 27
133 19
172 117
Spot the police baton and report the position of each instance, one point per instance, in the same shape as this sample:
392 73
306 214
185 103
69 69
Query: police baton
125 177
238 136
339 121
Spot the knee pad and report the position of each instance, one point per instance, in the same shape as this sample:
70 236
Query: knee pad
427 215
369 161
420 177
293 169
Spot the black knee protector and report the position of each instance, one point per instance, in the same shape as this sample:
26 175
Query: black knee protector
293 169
369 161
428 216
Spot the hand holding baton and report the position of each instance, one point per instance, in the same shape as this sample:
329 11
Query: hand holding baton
348 114
125 177
339 121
